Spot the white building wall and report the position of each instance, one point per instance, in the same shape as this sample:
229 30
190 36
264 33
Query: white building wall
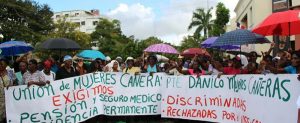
85 19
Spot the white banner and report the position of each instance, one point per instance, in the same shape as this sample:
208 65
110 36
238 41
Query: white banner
232 99
229 99
80 98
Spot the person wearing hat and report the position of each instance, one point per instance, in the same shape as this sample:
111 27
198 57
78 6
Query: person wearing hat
47 73
130 66
67 70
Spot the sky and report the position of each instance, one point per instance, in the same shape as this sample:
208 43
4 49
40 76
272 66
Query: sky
166 19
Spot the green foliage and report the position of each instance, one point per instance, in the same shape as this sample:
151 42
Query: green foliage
221 20
111 40
64 29
202 21
190 42
25 20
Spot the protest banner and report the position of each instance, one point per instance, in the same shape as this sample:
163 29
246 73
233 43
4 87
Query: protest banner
232 99
229 99
80 98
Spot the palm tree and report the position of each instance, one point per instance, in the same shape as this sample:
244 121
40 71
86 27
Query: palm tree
202 22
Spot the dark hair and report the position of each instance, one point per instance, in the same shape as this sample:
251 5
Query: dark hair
92 66
152 56
33 61
297 53
4 60
23 62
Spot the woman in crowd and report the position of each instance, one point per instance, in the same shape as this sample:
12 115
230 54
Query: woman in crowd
47 73
33 76
233 67
130 66
94 67
79 67
151 66
113 66
23 69
7 79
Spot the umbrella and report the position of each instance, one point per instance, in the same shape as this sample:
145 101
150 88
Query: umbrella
208 44
239 37
162 58
280 23
194 51
60 44
12 48
161 48
91 54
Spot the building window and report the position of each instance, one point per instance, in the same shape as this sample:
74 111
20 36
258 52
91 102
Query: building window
82 22
57 16
95 23
67 15
76 14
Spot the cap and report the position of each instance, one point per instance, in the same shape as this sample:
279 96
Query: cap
119 57
129 58
47 64
108 58
67 57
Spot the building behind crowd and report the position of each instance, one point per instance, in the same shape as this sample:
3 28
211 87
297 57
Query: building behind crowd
87 20
250 13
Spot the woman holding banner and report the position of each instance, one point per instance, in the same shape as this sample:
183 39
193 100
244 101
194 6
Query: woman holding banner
7 79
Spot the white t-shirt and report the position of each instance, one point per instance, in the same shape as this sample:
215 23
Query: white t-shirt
298 102
50 77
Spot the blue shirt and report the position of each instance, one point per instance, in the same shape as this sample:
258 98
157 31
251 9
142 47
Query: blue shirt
290 69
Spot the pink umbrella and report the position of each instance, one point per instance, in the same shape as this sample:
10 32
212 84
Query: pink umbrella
161 48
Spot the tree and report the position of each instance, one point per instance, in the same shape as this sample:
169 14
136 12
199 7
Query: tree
109 35
202 21
221 20
64 29
25 20
189 42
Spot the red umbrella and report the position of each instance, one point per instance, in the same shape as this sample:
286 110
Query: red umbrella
281 23
194 51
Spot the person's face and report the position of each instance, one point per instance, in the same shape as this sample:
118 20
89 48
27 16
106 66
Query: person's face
97 65
195 65
151 60
22 66
32 67
253 57
3 66
68 63
47 69
115 66
295 61
130 63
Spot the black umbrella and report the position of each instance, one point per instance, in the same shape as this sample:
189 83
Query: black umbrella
60 44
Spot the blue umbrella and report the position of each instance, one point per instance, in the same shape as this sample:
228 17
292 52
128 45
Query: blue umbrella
91 54
12 48
208 44
240 37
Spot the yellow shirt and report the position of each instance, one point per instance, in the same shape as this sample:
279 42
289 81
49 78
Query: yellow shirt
133 70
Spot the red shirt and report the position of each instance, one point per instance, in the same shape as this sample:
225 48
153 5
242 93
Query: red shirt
231 71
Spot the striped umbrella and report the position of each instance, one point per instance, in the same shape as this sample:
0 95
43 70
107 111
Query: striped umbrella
240 37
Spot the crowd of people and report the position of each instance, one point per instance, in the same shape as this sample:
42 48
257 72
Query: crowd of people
29 72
